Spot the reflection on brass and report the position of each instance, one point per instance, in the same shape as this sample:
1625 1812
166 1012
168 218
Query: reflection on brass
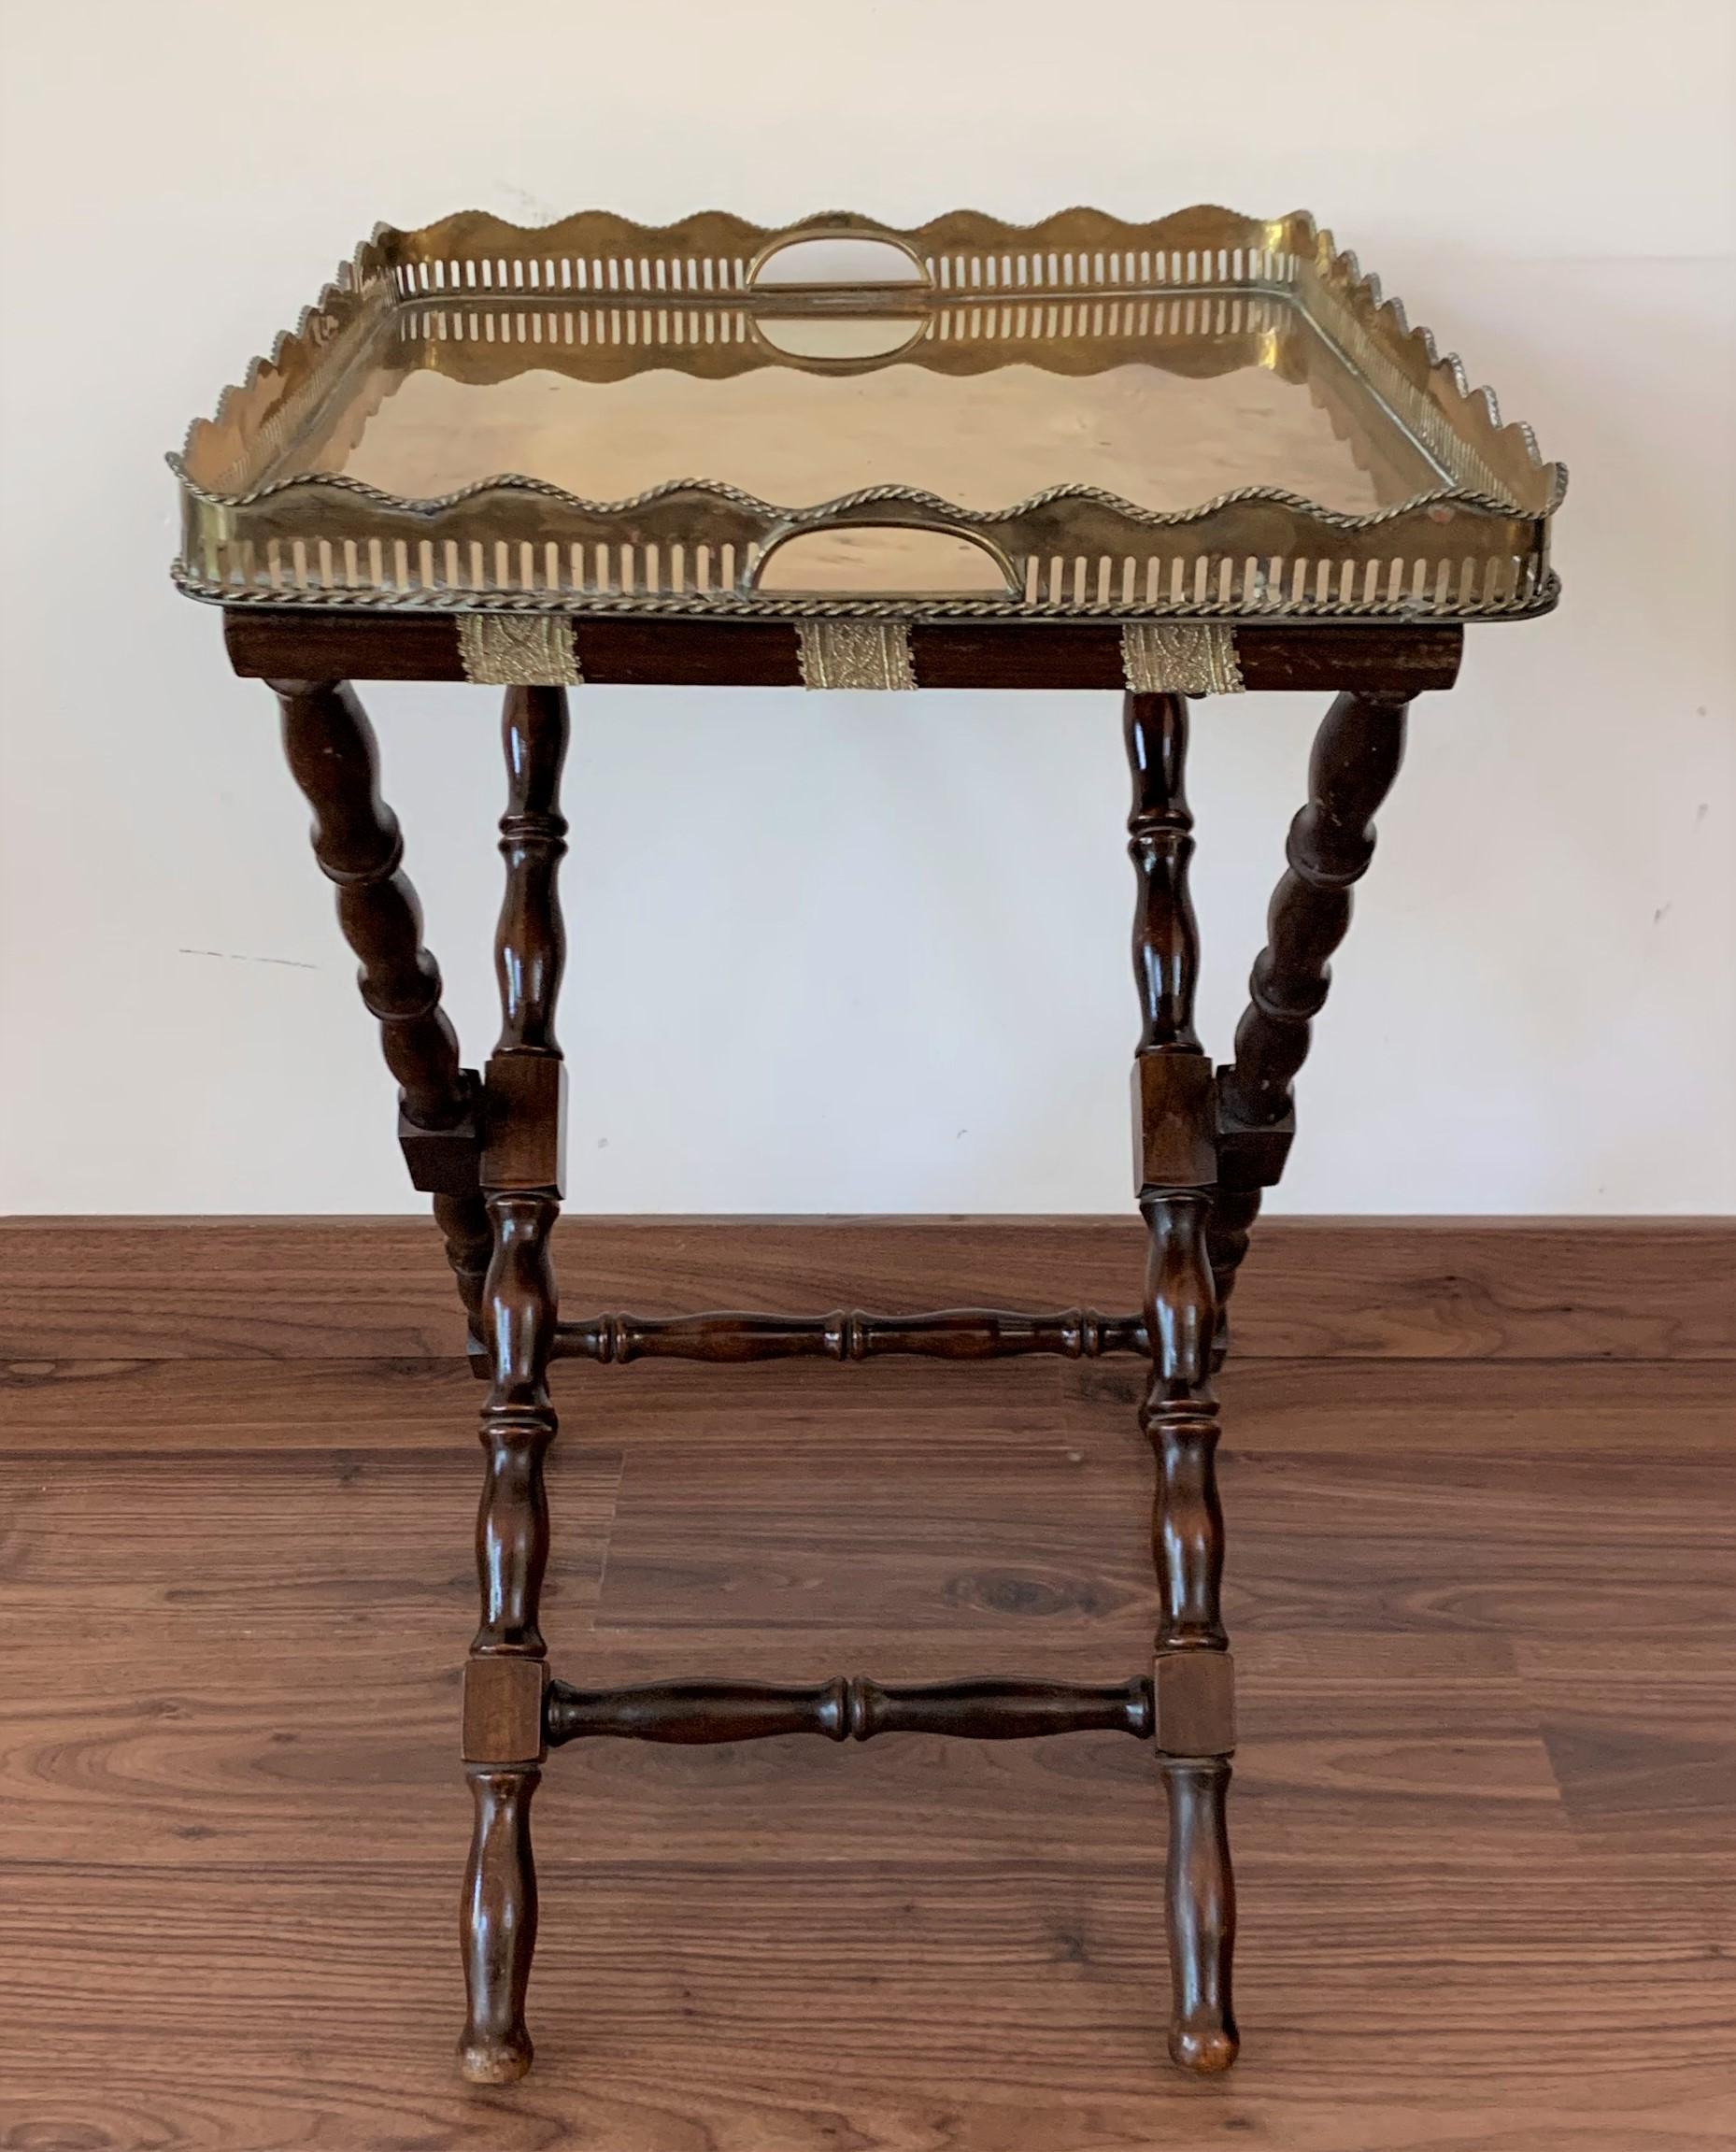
517 649
1204 416
1180 658
855 654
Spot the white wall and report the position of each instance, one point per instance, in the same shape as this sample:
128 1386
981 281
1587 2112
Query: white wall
870 952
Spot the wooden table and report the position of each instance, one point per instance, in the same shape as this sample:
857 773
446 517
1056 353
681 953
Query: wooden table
1258 589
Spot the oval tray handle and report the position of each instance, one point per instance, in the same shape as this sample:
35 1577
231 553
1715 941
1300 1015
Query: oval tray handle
837 258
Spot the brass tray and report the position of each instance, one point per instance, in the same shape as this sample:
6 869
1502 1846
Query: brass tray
1209 416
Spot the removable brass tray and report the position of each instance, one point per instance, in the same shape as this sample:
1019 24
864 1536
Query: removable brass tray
1209 416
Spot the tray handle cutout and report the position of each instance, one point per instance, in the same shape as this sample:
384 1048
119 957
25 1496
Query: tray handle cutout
847 261
885 560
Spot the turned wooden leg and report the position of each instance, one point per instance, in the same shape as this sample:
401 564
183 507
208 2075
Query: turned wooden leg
1233 1212
1175 1162
505 1680
464 1222
333 757
1356 757
1201 1914
499 1927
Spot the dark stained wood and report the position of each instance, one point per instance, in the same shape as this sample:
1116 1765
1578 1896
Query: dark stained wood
497 1926
1227 1239
849 1336
1174 1115
1179 1417
503 1717
1202 1898
1320 658
517 1140
1486 1795
520 1140
333 758
525 1105
1160 842
1356 757
444 1161
521 1172
1366 1289
846 1708
530 941
1175 1172
1194 1702
524 1087
518 1425
464 1236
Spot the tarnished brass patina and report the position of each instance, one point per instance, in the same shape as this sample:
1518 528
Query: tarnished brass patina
1181 657
1206 417
517 649
844 653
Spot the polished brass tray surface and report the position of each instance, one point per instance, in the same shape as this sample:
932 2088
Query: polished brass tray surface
1206 417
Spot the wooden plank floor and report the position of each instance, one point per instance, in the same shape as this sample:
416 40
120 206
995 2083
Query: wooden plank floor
1484 1811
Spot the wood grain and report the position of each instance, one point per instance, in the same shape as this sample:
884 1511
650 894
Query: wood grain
1364 1288
1484 1804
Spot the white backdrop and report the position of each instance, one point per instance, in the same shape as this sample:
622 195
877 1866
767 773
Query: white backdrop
871 953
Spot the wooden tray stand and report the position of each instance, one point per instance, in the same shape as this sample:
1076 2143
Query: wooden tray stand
488 1150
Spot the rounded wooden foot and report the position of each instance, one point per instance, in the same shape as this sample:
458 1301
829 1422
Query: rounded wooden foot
1202 1909
1203 2050
483 2061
